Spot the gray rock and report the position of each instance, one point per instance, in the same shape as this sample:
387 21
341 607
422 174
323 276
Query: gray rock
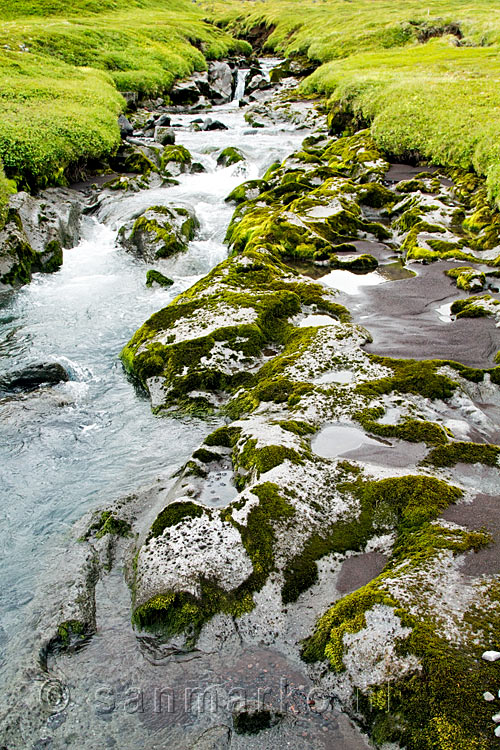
185 93
35 233
164 135
125 126
159 232
32 376
220 78
210 124
163 121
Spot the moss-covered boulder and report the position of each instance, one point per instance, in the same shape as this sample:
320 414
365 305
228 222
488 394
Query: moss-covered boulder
35 232
159 232
156 277
247 191
175 160
229 156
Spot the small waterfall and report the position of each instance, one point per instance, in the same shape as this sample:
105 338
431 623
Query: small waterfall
240 83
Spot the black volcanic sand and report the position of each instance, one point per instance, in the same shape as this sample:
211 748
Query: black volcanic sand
483 512
398 172
359 570
403 320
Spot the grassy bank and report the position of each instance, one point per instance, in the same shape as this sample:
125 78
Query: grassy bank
63 64
424 77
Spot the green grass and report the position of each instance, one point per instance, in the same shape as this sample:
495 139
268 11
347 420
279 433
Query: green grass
62 66
436 99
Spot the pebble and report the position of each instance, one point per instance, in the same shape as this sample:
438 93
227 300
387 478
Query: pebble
488 696
491 655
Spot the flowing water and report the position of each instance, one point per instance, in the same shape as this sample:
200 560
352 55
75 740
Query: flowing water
80 445
76 446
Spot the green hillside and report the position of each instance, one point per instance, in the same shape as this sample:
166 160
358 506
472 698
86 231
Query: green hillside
61 70
425 76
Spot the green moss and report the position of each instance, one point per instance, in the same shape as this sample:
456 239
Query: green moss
70 631
229 156
139 163
411 430
472 307
258 533
180 612
359 264
108 523
172 515
410 376
175 155
297 427
467 278
401 503
155 277
242 193
173 613
461 452
260 460
224 437
410 186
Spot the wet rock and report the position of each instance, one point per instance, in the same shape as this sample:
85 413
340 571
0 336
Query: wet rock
184 93
159 232
220 78
35 233
247 191
210 124
135 158
33 376
164 135
155 277
175 160
257 83
132 99
125 126
229 156
163 121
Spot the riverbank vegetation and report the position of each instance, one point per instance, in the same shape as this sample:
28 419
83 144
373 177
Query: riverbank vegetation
423 77
62 66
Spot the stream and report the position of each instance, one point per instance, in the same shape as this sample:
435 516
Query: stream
79 445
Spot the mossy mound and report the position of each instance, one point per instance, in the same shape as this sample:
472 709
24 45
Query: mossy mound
466 278
175 160
161 231
247 191
229 156
296 218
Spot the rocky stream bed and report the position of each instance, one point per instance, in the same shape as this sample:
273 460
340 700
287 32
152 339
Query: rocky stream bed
298 544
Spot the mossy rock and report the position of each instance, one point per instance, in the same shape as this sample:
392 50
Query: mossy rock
474 307
155 277
175 160
229 156
247 191
159 232
466 278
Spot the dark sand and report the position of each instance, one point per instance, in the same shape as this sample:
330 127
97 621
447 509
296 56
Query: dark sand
483 512
403 321
359 570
